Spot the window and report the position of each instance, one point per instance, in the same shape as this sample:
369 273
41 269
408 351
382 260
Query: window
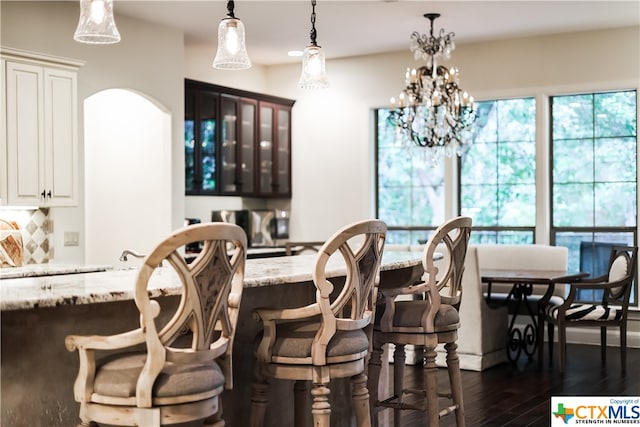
497 173
410 188
594 177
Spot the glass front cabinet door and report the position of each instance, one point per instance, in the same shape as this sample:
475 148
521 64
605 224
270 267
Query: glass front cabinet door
275 150
201 115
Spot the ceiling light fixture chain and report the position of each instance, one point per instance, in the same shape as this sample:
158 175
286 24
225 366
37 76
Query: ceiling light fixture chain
432 110
313 33
230 6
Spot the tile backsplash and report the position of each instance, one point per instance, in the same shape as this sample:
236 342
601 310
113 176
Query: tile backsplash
35 226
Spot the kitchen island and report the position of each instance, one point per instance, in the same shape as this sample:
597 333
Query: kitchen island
37 373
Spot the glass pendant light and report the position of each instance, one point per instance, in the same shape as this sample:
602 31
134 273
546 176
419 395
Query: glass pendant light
96 24
314 74
232 52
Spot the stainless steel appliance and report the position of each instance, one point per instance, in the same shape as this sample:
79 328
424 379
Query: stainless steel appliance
282 225
264 227
238 217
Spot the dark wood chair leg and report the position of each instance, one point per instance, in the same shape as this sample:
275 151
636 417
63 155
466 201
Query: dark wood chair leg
550 327
603 345
540 337
562 343
623 347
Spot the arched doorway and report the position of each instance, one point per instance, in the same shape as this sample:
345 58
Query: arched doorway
127 140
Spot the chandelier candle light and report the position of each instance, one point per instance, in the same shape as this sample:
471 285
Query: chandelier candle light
432 111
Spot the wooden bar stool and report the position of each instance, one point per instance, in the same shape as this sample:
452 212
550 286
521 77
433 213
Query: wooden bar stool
426 322
173 380
327 339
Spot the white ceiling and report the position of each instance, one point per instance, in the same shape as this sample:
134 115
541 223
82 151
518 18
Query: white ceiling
351 28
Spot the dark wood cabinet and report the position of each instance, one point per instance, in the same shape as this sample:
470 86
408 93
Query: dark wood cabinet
237 143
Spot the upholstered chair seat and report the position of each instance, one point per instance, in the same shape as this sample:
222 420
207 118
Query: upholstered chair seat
410 314
578 312
118 375
294 341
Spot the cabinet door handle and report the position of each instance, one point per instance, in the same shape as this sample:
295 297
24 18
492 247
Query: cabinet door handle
43 194
49 194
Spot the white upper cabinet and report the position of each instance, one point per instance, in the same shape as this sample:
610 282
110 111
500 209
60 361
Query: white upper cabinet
40 143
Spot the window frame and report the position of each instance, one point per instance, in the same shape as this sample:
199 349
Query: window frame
555 231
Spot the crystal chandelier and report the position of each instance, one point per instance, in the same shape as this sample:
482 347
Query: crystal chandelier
433 111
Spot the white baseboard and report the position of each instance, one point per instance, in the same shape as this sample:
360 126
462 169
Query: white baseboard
591 336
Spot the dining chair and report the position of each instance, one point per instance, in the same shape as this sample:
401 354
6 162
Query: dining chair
174 375
329 338
610 311
427 321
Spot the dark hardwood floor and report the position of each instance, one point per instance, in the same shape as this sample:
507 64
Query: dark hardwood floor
520 395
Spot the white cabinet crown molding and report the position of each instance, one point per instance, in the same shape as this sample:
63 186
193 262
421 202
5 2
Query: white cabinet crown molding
40 58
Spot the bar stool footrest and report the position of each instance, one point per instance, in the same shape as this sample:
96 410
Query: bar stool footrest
396 403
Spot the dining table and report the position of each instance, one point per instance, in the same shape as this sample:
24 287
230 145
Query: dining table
528 338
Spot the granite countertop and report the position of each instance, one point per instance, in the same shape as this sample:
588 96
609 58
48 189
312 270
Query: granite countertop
36 270
118 285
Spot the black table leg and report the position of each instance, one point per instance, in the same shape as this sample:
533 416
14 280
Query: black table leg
523 340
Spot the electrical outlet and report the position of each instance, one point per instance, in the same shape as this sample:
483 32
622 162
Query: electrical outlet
71 238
